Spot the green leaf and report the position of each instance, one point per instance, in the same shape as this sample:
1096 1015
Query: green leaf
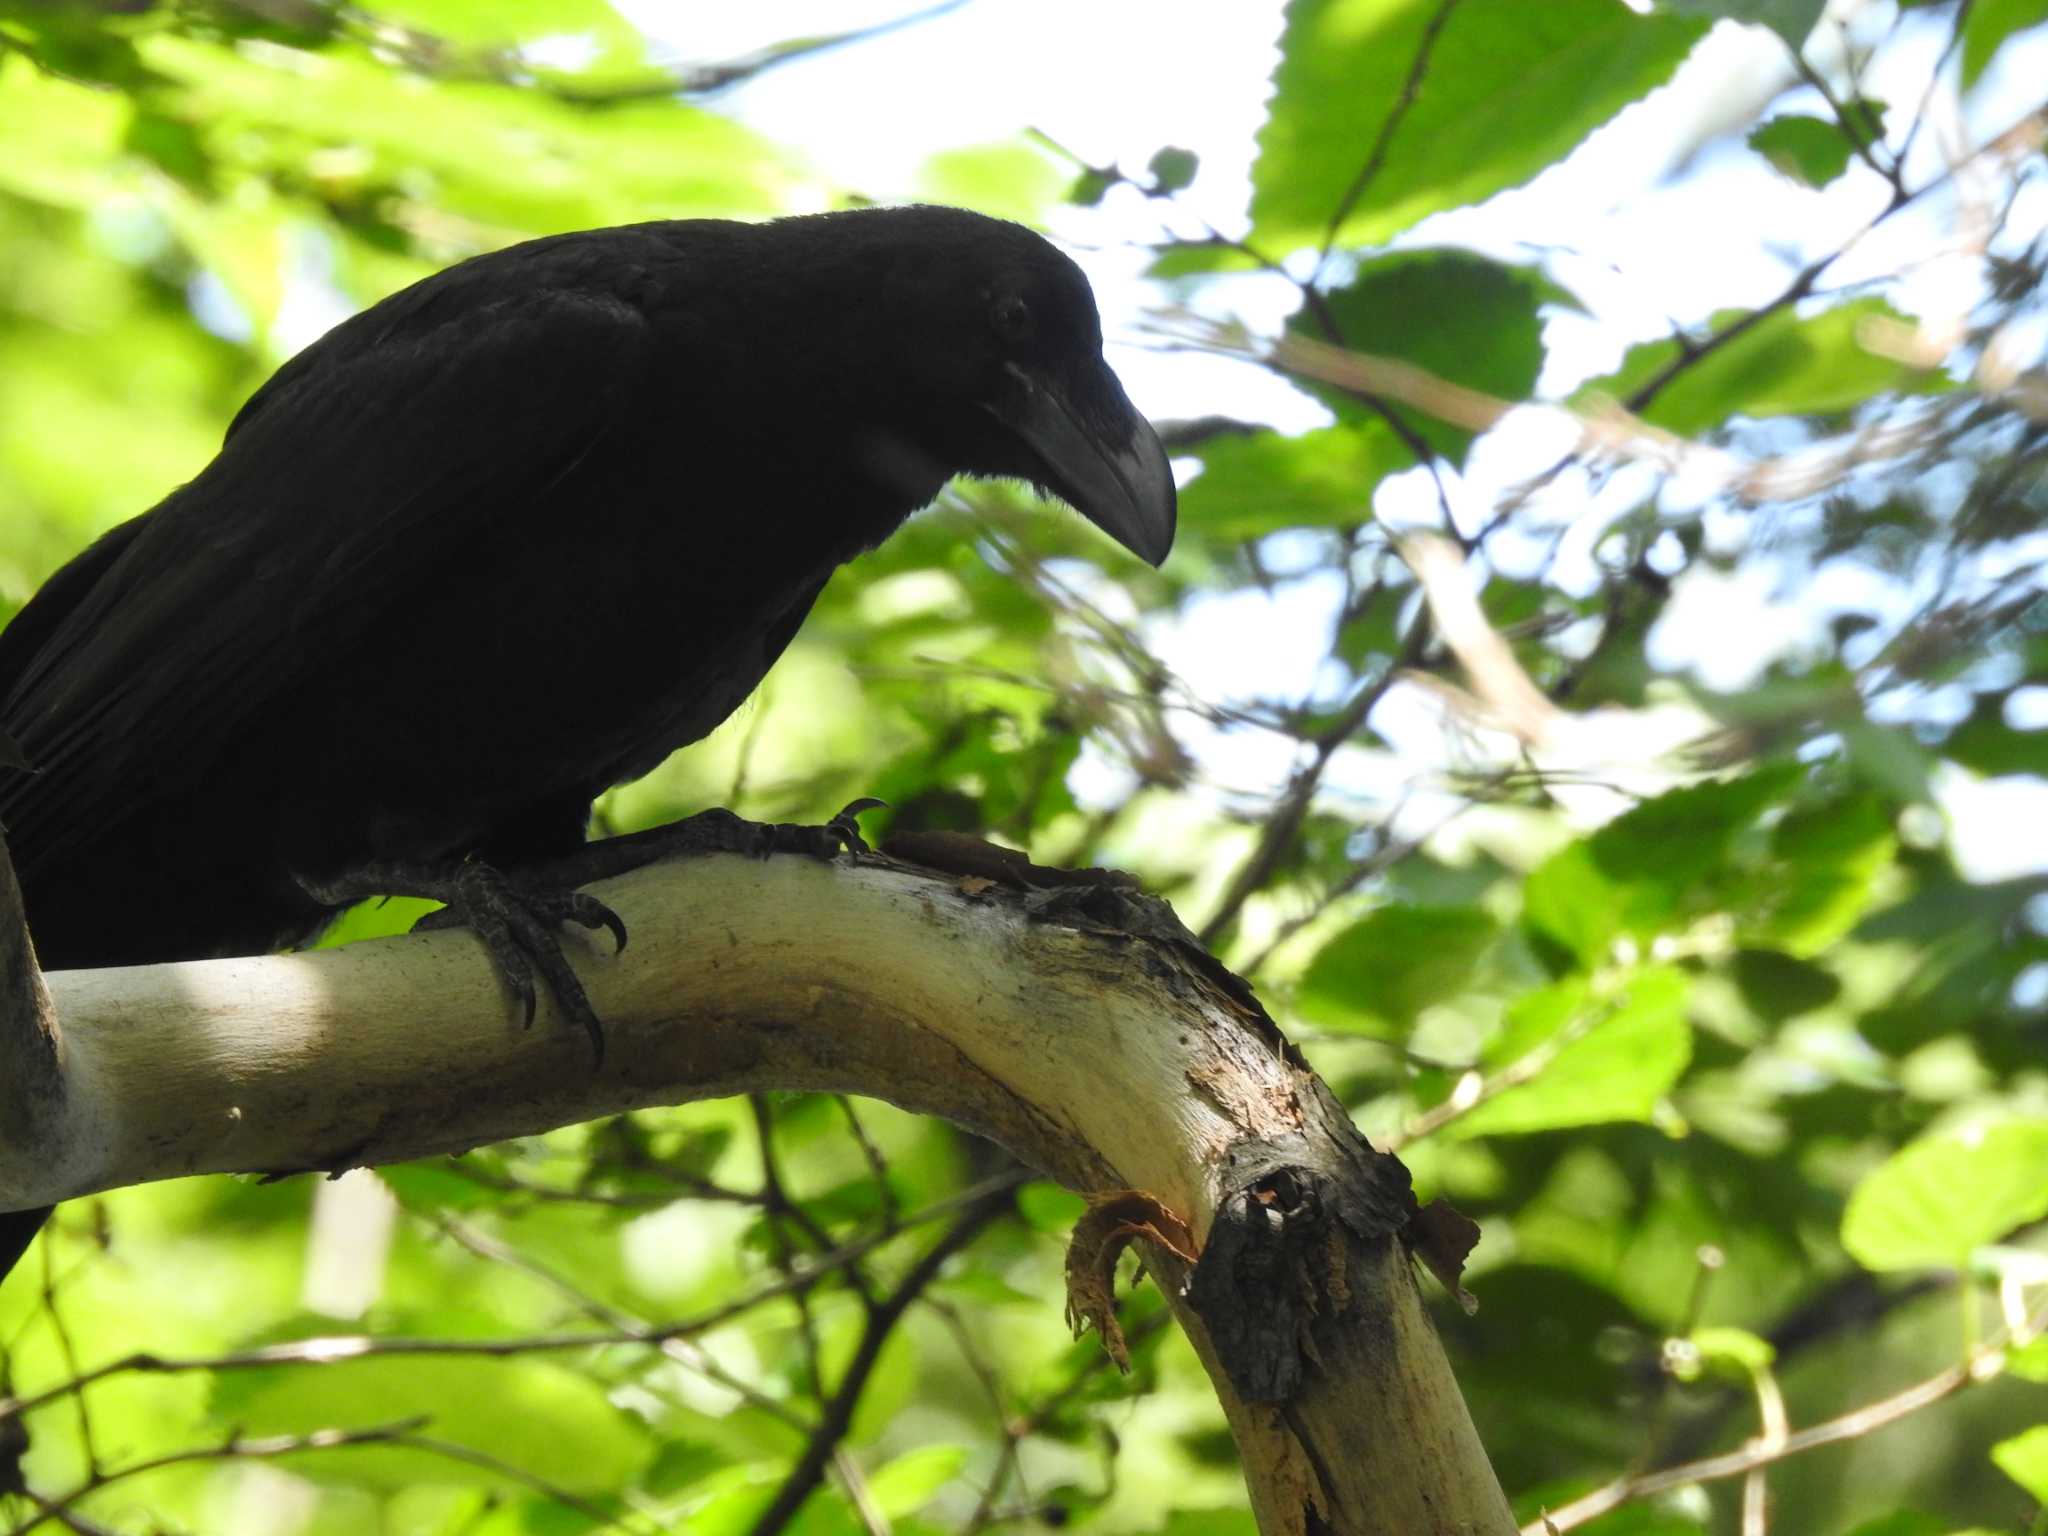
1382 971
1823 874
1464 317
1569 905
587 40
1783 365
1904 1522
1011 180
378 918
1987 746
2024 1459
1808 149
1050 1208
1538 1017
546 1419
1989 24
2029 1361
1737 1347
1253 484
1887 758
907 1484
435 1185
1792 20
1778 987
1385 111
57 138
1173 169
1089 188
731 1502
1198 259
508 159
1651 870
75 42
1931 1203
1618 1071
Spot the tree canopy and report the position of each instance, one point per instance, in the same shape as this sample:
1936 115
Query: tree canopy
1600 698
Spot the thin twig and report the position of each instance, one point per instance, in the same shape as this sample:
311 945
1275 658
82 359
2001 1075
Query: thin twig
235 1447
1982 1364
825 1439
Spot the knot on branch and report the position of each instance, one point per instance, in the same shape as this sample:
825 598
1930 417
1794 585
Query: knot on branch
1274 1264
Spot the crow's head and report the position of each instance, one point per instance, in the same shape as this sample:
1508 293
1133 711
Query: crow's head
993 348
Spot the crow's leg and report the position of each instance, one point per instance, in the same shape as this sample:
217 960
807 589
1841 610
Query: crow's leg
518 913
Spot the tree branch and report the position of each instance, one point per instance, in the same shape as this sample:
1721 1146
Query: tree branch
1078 1025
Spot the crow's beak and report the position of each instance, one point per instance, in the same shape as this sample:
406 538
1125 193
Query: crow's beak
1100 457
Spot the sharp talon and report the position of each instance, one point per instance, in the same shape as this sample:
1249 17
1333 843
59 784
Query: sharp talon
592 913
517 921
529 1001
846 827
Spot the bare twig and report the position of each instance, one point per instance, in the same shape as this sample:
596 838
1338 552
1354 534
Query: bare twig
1982 1365
831 1430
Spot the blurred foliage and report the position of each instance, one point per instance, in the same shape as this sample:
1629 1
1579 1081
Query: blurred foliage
1674 979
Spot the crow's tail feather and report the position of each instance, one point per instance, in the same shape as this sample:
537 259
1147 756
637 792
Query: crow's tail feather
17 1230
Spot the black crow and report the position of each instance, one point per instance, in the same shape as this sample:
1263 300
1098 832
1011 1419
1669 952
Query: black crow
506 539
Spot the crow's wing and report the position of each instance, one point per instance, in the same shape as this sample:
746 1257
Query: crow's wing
361 470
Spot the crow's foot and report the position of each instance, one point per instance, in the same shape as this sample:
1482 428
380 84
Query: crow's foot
716 831
518 915
518 918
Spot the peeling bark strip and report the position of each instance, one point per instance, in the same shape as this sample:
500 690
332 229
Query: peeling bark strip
1112 1224
1078 1025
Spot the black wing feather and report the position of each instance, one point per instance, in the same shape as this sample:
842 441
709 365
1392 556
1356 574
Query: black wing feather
397 441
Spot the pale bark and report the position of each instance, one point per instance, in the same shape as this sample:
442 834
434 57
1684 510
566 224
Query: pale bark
1078 1028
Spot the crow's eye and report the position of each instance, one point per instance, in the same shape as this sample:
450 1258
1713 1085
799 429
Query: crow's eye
1012 319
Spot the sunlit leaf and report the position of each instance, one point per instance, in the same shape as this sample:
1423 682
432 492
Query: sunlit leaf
1617 1070
1931 1204
1258 483
2029 1361
1017 180
1378 974
537 1415
1387 110
514 162
904 1486
1734 1346
1650 870
2024 1459
1050 1208
1784 364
